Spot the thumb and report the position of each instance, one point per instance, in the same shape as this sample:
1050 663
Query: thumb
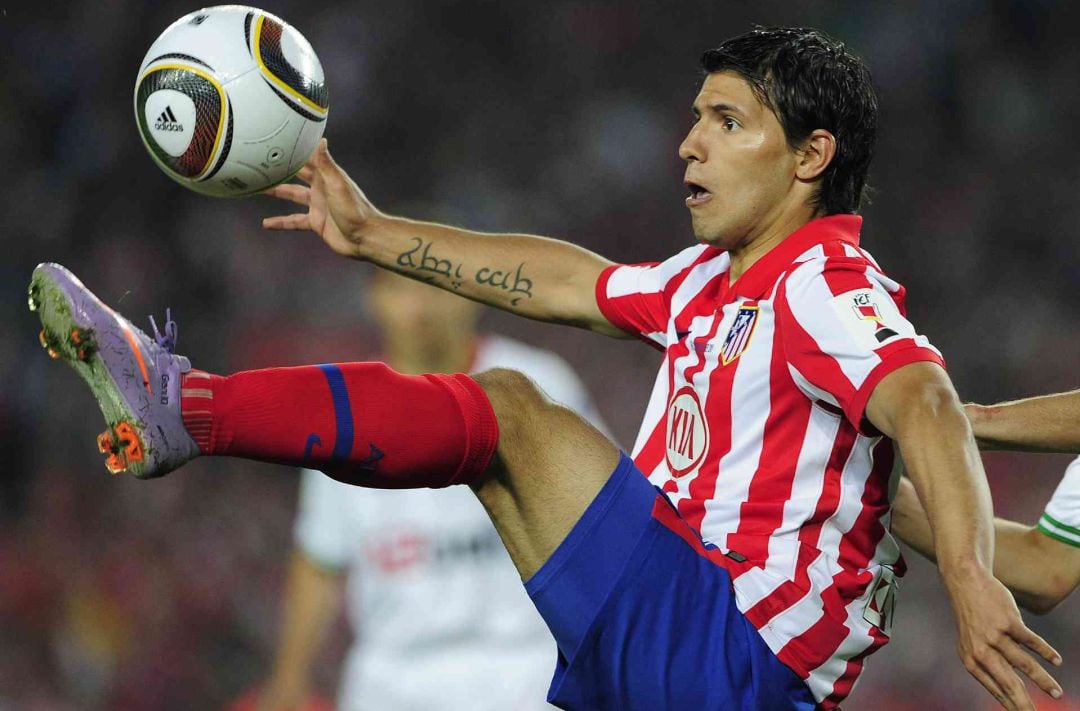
327 166
323 157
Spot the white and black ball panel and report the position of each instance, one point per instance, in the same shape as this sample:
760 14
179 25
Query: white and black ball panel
306 142
272 132
290 66
184 144
219 30
171 116
271 106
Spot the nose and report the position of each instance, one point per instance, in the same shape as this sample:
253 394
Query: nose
690 149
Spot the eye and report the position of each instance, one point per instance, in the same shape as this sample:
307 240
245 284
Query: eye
730 124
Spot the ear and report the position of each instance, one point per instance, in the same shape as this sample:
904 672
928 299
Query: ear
815 155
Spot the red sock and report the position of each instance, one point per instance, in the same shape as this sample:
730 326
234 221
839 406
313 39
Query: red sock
361 423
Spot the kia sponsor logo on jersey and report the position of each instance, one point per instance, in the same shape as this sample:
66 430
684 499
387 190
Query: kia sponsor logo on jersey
687 432
871 317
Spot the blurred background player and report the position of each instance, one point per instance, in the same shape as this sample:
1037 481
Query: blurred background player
1039 563
440 618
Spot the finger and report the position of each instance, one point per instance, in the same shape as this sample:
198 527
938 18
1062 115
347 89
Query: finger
1008 681
287 222
318 155
299 194
984 678
306 173
324 162
1026 663
1037 644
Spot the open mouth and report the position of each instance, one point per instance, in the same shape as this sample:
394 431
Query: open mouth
698 194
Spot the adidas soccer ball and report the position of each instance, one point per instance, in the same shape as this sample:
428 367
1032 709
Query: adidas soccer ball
230 100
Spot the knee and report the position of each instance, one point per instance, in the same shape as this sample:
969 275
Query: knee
514 397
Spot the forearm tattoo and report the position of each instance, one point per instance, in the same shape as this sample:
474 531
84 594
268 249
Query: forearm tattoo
421 258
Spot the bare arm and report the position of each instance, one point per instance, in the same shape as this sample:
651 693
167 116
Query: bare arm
1049 423
312 596
1040 571
536 277
917 406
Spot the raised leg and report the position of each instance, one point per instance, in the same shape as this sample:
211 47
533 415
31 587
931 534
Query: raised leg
549 465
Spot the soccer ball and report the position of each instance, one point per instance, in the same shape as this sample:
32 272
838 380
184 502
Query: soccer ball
230 100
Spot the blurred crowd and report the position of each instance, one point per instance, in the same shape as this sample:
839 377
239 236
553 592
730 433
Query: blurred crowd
561 118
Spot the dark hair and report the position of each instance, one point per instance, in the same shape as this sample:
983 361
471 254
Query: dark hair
810 81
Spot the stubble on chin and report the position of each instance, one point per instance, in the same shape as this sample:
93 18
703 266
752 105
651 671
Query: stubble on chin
709 234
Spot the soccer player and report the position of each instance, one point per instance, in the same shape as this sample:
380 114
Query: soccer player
751 566
482 646
1040 563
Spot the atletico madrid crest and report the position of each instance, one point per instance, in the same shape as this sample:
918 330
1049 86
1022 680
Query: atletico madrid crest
738 338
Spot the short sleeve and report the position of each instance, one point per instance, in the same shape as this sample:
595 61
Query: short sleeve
1061 520
636 298
321 525
843 330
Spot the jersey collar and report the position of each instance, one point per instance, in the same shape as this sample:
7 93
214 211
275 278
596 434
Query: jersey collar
763 274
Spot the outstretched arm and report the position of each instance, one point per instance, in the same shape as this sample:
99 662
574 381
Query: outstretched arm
536 277
310 603
1049 423
1040 571
917 406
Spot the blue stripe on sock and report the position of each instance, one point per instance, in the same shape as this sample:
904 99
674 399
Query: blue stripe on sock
343 440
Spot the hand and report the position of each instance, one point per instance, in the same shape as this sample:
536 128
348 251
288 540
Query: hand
992 637
338 211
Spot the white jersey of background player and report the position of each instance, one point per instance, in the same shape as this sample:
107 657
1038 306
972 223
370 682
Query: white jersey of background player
1061 520
481 644
1040 563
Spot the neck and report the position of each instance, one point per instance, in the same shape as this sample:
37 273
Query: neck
766 238
451 355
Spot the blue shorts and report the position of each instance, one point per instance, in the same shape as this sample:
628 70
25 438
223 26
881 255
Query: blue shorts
643 621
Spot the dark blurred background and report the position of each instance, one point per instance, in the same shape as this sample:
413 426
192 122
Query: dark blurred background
561 118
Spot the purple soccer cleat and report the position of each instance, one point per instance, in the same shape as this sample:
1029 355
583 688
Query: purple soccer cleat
135 378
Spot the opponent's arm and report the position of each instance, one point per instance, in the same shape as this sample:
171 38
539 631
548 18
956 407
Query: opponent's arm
1040 571
917 407
312 595
536 277
1049 423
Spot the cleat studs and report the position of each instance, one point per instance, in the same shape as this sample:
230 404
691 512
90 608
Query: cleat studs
41 339
30 302
105 442
52 354
117 461
83 341
130 447
115 464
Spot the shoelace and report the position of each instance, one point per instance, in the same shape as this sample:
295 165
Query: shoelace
167 341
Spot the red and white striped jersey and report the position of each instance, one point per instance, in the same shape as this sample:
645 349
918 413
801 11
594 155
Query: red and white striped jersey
755 430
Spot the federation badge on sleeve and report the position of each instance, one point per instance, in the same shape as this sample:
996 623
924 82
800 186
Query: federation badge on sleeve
738 337
871 317
867 310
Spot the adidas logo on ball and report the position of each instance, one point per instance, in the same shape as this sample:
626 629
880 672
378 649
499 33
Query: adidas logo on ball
167 121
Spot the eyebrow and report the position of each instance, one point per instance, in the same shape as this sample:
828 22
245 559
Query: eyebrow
720 107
